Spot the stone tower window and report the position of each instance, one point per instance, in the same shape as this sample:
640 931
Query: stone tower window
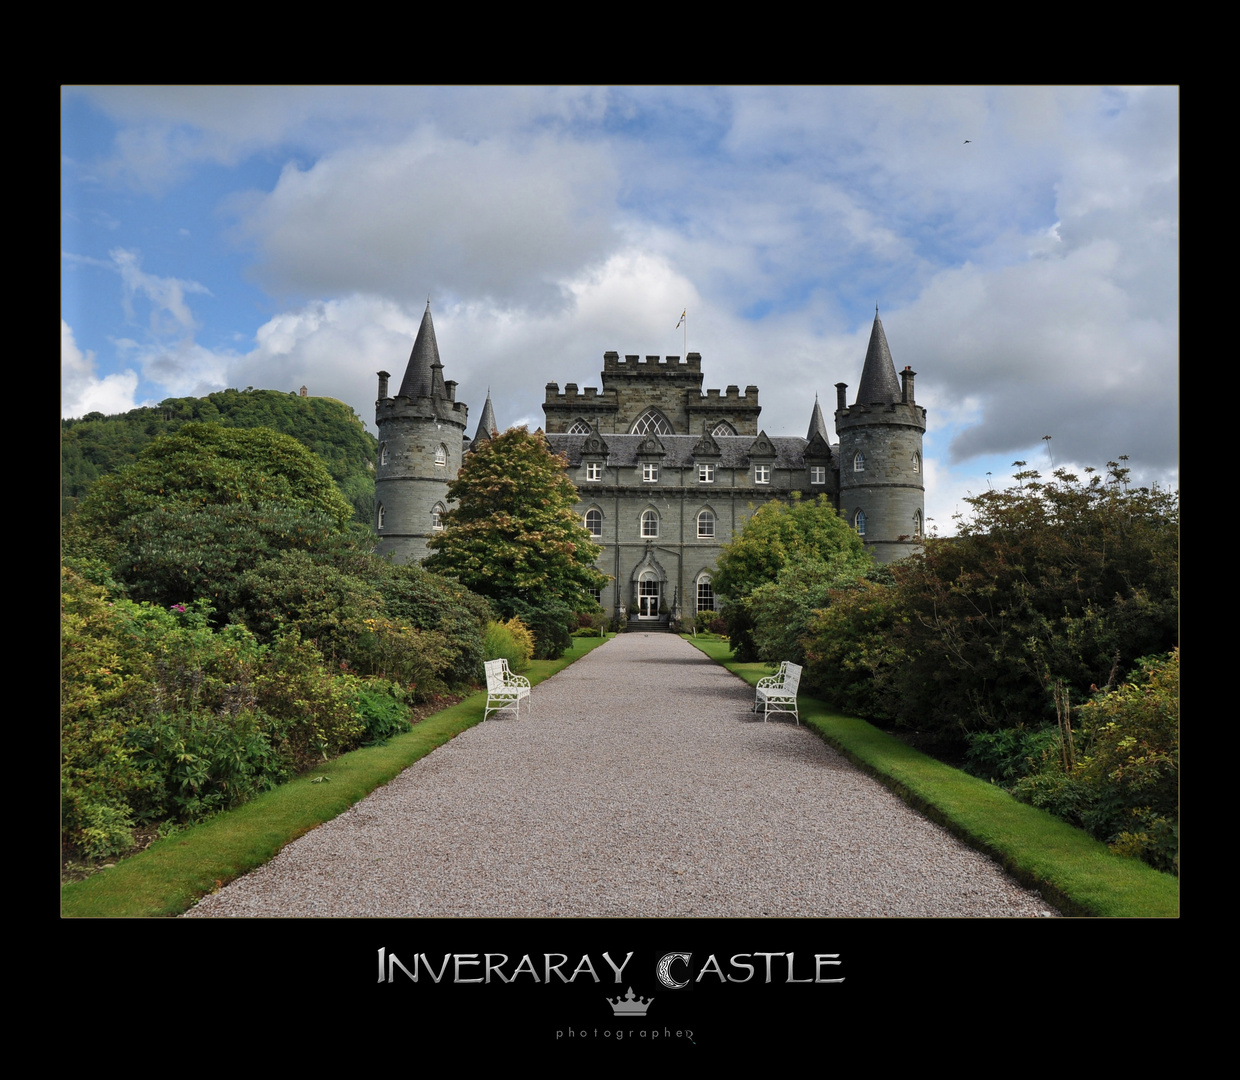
723 428
383 453
379 516
859 462
441 455
650 524
916 462
651 420
437 518
580 427
594 522
916 524
859 522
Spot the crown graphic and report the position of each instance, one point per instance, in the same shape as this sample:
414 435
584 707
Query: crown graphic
629 1005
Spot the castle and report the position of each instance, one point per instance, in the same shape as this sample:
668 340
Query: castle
664 472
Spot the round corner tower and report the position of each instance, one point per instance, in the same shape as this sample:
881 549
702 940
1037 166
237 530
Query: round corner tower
421 443
882 485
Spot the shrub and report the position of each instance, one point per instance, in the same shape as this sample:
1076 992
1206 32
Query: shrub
509 641
381 707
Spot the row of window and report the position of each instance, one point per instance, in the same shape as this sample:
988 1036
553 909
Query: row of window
593 522
706 473
436 516
651 421
859 462
705 600
441 455
859 523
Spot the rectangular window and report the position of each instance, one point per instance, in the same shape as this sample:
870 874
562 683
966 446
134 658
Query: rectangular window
705 596
761 474
650 472
817 474
594 470
706 474
596 595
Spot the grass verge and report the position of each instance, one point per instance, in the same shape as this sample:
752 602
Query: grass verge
1073 871
170 875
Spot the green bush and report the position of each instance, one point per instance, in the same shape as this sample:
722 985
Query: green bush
510 641
381 707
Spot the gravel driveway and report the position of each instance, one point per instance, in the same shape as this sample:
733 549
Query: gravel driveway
641 785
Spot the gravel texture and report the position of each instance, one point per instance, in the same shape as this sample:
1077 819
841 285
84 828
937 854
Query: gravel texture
638 784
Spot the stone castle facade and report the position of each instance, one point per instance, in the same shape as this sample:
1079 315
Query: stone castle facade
666 473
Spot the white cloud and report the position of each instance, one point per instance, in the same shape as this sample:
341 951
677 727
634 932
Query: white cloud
81 390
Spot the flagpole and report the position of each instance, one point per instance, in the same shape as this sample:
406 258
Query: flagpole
684 321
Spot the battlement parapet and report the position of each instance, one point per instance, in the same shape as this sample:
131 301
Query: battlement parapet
571 393
632 363
732 395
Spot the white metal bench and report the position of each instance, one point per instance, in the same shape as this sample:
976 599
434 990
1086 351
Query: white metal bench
778 693
504 689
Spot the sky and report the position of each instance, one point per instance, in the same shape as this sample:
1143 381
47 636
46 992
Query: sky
1020 243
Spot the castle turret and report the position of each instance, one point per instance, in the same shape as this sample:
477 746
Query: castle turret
882 489
421 437
487 427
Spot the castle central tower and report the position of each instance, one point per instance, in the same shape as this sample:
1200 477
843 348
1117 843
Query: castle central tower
421 443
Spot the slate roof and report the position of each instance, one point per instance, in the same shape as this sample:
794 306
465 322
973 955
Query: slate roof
734 450
418 381
879 384
487 425
817 424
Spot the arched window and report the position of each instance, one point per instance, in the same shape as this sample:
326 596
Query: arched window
916 524
705 594
650 524
579 427
383 453
859 522
916 462
437 518
379 516
706 525
594 522
441 455
651 420
859 462
723 428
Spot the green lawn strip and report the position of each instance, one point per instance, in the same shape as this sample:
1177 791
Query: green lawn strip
170 875
1076 873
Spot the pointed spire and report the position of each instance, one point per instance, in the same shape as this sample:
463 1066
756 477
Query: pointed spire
879 385
817 425
419 378
487 427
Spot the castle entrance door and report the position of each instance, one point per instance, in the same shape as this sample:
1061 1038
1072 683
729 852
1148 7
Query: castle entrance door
648 596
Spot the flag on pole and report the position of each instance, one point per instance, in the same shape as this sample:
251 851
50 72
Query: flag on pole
682 318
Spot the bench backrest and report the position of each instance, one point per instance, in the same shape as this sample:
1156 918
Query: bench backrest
792 678
495 674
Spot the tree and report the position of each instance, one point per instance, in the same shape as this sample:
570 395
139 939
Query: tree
1049 588
515 537
202 506
807 541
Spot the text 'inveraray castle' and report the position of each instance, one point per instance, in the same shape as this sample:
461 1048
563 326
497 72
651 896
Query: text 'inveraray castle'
665 472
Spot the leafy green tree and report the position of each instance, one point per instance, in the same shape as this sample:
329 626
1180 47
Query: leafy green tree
1049 587
812 542
515 537
199 508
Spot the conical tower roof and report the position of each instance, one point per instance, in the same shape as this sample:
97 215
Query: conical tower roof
817 425
879 384
419 378
487 427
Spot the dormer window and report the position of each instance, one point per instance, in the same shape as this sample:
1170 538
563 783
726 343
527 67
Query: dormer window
817 474
594 470
761 474
650 472
706 474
